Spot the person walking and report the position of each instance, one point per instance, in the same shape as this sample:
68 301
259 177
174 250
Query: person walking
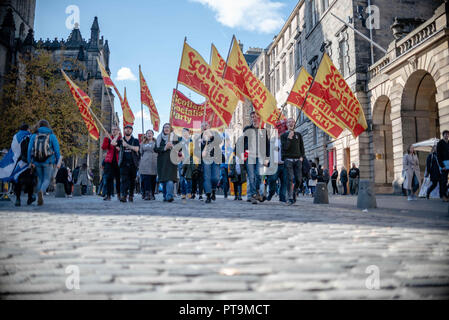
412 173
128 163
237 174
293 155
354 177
313 178
148 165
344 180
111 169
84 179
334 179
211 169
443 159
43 155
167 171
280 175
433 171
255 158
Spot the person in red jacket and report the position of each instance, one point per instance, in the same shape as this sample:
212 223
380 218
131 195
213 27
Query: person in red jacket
111 168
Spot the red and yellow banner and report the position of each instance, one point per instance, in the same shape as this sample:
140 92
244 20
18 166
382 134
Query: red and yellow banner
218 65
239 73
197 75
147 99
315 109
332 89
108 81
188 114
83 102
128 116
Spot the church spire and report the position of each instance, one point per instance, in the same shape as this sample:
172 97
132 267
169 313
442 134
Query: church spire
94 35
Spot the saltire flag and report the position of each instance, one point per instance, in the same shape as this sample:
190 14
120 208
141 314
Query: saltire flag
330 87
83 102
128 116
196 74
10 166
147 99
218 65
315 109
188 114
239 73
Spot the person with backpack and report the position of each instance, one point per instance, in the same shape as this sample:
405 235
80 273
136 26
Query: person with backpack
313 178
21 175
43 155
334 179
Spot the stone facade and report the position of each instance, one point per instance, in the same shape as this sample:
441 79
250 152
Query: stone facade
403 92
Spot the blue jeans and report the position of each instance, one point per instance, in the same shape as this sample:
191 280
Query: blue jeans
224 180
44 173
281 174
167 190
253 178
183 183
211 175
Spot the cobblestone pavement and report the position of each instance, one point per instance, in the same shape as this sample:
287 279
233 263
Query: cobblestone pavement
229 250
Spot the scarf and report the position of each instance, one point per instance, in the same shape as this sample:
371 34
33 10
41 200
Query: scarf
159 139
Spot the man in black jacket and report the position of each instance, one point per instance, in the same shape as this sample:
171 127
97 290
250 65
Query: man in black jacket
354 177
253 162
443 159
128 163
293 155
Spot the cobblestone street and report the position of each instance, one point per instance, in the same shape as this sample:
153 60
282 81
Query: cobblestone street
229 250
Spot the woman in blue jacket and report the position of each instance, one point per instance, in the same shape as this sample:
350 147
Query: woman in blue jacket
43 154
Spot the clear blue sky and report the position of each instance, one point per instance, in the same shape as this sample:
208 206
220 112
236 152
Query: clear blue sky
151 33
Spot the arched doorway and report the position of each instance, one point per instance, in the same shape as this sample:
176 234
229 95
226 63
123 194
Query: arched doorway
419 111
383 146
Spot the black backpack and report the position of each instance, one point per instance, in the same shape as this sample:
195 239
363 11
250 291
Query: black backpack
24 149
313 174
42 148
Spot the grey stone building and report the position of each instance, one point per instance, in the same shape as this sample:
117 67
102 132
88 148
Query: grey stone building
399 26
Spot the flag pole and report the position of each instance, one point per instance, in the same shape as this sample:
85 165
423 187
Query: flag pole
141 104
177 83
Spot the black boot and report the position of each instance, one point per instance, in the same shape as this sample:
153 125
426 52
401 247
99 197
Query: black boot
213 196
208 200
31 199
18 202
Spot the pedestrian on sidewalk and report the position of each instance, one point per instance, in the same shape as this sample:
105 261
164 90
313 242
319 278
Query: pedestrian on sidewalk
344 180
128 163
43 155
111 169
313 179
63 177
334 181
443 159
293 155
148 165
167 171
433 171
255 159
211 167
354 177
412 173
237 174
84 179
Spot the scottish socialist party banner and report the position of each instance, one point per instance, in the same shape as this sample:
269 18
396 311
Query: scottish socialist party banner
147 99
315 109
187 114
83 102
218 65
197 75
331 87
239 73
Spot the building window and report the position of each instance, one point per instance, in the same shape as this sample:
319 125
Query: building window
313 13
278 85
261 68
291 64
343 53
324 5
284 73
315 135
298 56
